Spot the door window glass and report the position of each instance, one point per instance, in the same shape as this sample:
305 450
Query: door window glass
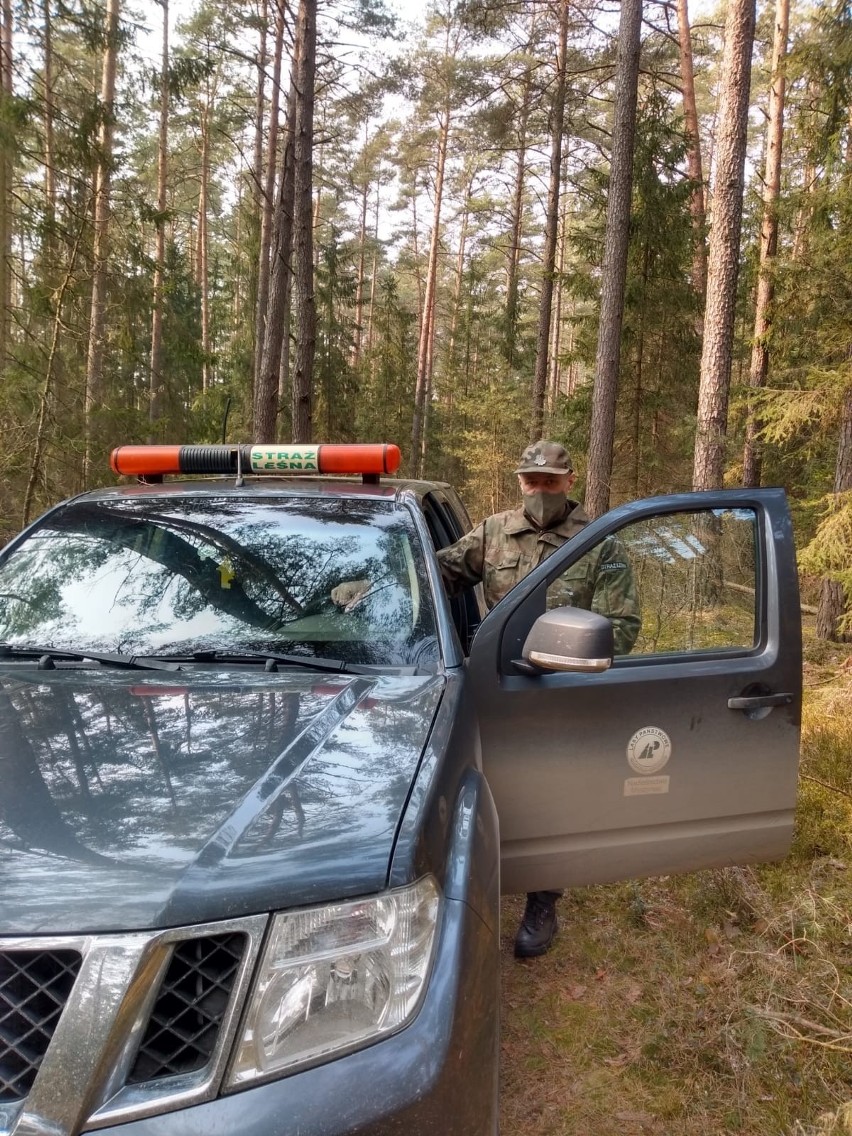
682 582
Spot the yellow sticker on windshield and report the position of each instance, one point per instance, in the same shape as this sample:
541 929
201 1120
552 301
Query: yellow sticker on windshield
226 573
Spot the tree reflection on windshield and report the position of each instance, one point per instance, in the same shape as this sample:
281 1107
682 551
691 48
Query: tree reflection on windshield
160 576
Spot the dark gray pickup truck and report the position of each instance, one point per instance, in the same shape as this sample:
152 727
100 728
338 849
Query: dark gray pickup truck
250 857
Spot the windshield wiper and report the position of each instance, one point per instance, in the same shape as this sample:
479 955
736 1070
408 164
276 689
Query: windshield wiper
48 655
269 658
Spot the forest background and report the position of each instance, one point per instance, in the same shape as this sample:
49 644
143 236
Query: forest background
605 223
294 220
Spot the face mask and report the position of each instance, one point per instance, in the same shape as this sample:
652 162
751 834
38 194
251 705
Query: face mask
545 508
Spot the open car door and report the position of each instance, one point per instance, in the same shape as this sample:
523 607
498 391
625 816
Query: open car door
684 753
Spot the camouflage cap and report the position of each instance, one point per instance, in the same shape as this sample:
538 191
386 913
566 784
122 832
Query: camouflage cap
545 457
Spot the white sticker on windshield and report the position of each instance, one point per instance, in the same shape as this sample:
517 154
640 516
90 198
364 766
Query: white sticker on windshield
649 749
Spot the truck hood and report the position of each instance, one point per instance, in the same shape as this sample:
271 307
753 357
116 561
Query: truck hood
167 799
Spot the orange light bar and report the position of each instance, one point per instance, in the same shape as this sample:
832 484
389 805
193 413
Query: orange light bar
155 461
137 461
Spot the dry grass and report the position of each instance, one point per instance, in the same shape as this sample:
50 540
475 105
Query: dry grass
709 1004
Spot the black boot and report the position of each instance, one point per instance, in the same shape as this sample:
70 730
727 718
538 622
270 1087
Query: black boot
538 925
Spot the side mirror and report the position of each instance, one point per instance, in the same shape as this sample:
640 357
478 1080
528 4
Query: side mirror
570 639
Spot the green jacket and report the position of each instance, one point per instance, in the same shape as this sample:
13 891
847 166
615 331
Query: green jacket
502 549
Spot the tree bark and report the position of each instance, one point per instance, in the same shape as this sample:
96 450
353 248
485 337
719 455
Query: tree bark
422 383
359 281
255 176
6 174
723 259
267 201
49 132
155 388
608 356
810 174
203 242
693 154
551 231
457 293
47 388
514 260
306 318
274 364
832 600
752 457
374 275
100 253
556 334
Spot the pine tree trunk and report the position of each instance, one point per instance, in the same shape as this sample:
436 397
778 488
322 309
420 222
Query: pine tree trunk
556 335
374 275
260 110
693 154
267 202
274 369
318 175
44 416
6 174
514 259
415 246
457 291
155 389
100 253
362 256
723 259
303 255
752 458
49 132
810 174
802 224
255 210
832 600
636 447
551 231
422 383
602 435
203 243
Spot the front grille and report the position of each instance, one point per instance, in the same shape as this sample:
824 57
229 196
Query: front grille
34 987
184 1024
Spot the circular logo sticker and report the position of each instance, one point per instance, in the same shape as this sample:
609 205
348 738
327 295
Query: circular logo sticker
649 749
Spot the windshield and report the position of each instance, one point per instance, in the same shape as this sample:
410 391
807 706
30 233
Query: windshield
165 576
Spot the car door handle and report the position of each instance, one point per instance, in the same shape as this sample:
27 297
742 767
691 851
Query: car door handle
758 701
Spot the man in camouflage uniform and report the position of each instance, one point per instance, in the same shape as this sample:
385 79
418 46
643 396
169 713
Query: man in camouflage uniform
499 552
502 549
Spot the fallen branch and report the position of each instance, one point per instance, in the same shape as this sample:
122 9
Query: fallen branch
825 785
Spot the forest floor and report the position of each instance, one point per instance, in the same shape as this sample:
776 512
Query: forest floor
704 1005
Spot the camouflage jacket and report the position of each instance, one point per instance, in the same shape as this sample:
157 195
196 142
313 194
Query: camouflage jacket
502 549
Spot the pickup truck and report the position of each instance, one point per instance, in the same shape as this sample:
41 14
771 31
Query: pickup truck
252 842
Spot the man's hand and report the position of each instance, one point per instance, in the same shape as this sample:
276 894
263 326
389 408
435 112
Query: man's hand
350 593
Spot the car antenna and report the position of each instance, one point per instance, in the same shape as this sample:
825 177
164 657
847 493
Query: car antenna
225 420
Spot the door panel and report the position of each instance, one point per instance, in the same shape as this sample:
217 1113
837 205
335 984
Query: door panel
645 769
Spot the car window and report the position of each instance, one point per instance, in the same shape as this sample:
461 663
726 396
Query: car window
173 575
681 582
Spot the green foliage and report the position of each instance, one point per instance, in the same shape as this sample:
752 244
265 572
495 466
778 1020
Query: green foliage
386 373
334 382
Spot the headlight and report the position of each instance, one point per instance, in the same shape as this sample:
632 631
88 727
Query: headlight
335 978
